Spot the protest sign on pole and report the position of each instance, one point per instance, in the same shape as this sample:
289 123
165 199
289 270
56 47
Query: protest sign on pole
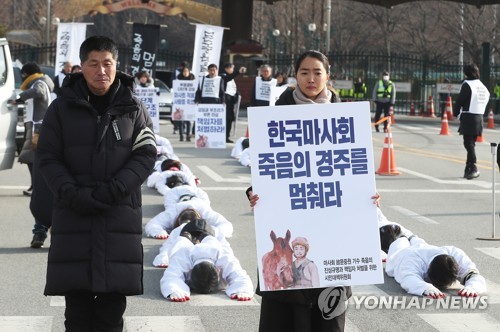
211 126
145 41
183 105
207 48
149 96
69 38
312 167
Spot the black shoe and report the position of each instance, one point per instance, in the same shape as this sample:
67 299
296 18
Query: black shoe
38 239
188 138
228 140
181 139
472 175
28 191
377 130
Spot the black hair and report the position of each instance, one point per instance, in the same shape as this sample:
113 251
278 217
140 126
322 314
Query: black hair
388 234
212 65
187 215
245 143
75 67
31 68
313 54
443 271
169 163
204 278
228 65
471 71
99 44
174 181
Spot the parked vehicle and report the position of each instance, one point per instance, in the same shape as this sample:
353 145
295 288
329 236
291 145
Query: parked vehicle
165 99
8 113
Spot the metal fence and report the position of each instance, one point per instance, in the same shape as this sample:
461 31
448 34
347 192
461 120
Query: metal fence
422 74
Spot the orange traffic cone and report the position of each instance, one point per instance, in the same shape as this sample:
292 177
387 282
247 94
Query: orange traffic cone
391 114
480 139
412 109
246 134
448 109
491 120
388 162
430 107
444 125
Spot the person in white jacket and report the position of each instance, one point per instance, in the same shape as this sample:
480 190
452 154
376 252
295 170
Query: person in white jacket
423 269
202 264
159 226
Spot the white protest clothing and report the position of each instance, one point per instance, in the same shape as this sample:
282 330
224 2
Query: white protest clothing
211 87
164 221
173 196
408 262
158 180
162 258
186 255
164 147
263 88
237 148
245 157
480 96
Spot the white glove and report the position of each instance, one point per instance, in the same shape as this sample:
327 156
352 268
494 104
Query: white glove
179 297
434 293
467 292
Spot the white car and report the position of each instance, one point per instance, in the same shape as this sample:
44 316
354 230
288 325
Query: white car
8 113
165 99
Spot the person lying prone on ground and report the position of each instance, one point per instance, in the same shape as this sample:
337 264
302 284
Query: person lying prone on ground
199 263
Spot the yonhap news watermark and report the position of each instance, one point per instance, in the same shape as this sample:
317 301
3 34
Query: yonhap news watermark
334 301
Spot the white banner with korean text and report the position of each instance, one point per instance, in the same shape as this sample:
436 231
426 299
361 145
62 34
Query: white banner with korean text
211 126
69 38
207 48
312 167
183 105
149 96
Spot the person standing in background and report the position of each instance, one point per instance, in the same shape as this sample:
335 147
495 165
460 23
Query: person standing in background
186 75
96 148
359 89
469 109
59 78
261 90
230 94
36 90
384 96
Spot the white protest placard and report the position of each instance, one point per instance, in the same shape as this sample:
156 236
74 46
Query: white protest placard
149 97
312 167
276 92
448 88
342 84
211 126
183 105
403 86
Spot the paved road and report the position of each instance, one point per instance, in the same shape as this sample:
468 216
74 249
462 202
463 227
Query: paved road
429 197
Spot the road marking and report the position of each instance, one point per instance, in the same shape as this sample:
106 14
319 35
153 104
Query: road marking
25 323
220 299
414 215
493 252
57 301
162 323
483 184
350 326
217 178
461 322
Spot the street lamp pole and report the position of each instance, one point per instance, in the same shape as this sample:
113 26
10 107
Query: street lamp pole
328 25
47 24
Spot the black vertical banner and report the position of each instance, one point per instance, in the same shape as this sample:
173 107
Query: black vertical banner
145 43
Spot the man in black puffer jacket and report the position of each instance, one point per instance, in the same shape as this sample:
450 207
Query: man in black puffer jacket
96 148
